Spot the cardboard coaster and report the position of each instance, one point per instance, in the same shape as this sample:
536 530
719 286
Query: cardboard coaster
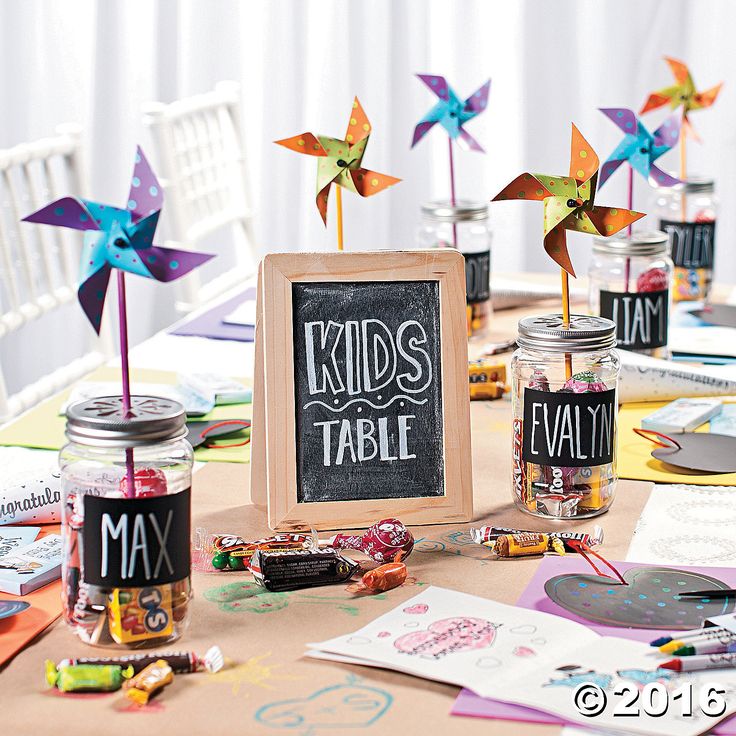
701 452
721 315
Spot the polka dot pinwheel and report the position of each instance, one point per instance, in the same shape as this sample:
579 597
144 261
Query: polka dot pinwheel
569 202
119 239
340 162
451 112
682 93
640 147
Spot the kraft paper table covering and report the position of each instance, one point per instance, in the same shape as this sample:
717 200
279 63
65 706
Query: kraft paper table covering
43 426
635 453
266 633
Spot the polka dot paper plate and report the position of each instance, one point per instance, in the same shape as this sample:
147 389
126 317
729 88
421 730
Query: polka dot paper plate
649 601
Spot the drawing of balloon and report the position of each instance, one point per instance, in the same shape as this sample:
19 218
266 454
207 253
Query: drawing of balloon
524 652
383 634
448 635
417 608
344 706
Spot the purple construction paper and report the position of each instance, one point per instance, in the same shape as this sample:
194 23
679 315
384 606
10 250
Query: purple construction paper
534 598
145 196
210 323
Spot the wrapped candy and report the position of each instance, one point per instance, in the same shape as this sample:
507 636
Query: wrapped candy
654 279
234 553
381 542
584 382
180 662
524 544
149 681
382 578
86 677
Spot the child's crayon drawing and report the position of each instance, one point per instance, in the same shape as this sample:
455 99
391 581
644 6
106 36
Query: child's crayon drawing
330 709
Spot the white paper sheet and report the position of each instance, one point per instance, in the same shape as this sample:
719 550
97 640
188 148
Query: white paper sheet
687 525
524 657
243 314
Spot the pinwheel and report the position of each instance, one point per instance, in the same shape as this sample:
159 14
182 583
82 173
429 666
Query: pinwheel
452 113
569 205
640 148
119 238
683 93
340 163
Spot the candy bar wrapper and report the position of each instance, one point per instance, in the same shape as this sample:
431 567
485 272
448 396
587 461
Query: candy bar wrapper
180 662
486 379
294 569
595 484
486 534
137 614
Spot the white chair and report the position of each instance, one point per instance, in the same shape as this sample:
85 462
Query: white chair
39 264
200 164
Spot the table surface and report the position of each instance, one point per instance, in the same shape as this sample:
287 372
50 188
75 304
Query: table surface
264 634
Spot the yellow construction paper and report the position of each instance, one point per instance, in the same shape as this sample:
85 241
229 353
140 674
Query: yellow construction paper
635 459
42 427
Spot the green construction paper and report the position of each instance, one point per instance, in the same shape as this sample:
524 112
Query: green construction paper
42 427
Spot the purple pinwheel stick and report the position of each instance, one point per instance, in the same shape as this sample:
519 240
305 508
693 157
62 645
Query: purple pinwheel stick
120 239
452 113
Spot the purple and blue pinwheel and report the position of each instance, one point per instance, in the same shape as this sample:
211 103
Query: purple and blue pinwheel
119 238
640 147
451 112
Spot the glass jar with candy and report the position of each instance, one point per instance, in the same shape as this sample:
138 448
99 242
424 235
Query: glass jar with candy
629 282
564 403
464 226
687 213
126 485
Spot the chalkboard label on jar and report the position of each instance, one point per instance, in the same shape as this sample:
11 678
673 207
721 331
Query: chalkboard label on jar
569 430
367 384
477 276
132 543
691 243
641 317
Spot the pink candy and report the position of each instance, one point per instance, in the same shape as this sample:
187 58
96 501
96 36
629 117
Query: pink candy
382 542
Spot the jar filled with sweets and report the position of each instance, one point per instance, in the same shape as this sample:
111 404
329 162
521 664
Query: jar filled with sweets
464 226
629 282
126 484
687 213
564 401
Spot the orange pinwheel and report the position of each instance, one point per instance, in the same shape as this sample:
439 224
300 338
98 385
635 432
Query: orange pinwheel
683 93
569 202
340 160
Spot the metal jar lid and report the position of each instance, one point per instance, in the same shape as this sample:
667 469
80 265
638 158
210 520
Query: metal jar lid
647 243
698 185
101 422
585 334
463 210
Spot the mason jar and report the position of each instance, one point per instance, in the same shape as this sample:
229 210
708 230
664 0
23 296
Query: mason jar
629 280
687 213
465 227
564 403
126 497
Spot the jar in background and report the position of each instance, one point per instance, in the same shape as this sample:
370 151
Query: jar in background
564 403
629 280
464 226
126 566
687 213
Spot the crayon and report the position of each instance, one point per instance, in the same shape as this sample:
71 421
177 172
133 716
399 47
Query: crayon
702 662
682 641
713 646
684 635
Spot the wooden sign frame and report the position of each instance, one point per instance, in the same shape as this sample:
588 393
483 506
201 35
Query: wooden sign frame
273 447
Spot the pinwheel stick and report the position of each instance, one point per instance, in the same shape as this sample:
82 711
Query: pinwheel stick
338 202
123 326
453 200
566 317
683 169
627 264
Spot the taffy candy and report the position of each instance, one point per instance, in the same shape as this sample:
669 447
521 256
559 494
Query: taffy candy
180 662
149 681
86 677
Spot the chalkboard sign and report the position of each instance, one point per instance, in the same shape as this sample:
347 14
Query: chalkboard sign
691 243
640 317
367 390
478 276
360 393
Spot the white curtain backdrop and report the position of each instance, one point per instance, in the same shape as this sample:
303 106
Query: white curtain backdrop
300 62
